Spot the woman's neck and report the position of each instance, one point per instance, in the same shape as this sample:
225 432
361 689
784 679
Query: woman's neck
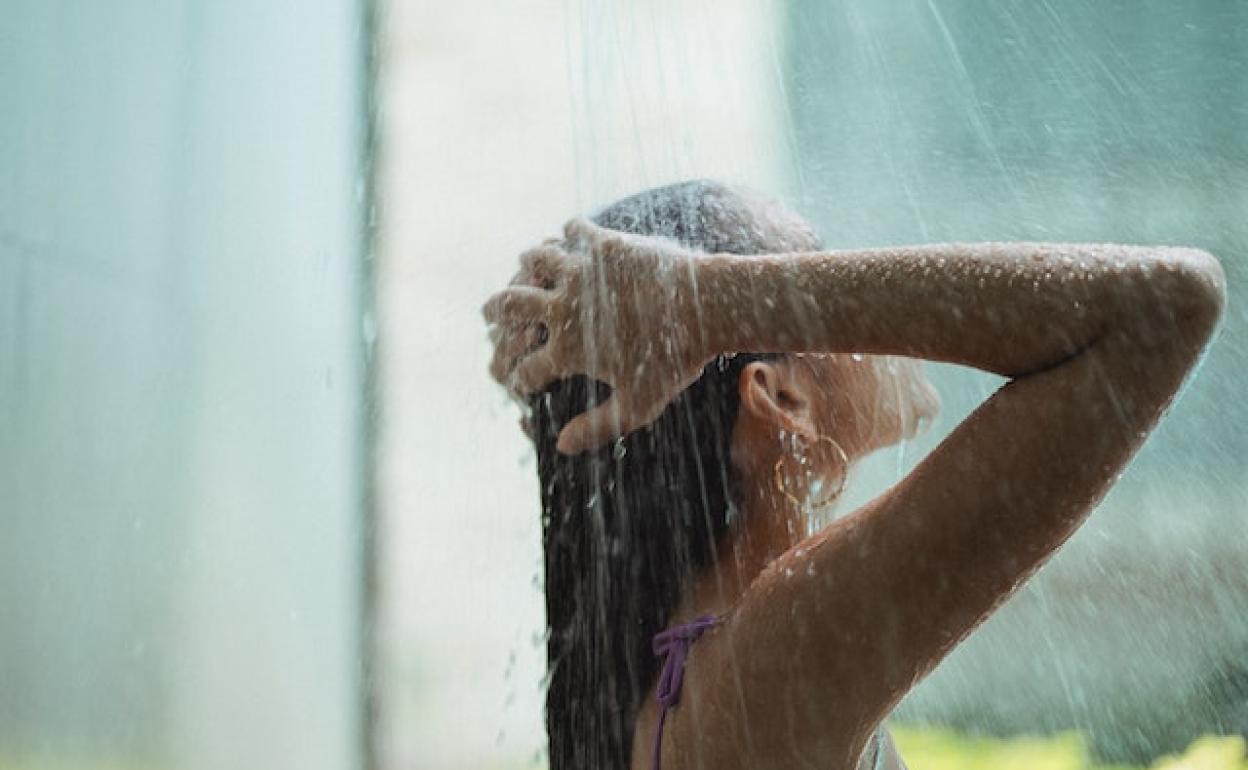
764 529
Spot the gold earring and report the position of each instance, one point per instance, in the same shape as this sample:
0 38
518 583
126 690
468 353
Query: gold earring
778 475
778 478
840 452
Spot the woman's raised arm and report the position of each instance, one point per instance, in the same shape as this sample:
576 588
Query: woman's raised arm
1009 308
1096 341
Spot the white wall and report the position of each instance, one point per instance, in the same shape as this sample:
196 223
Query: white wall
180 377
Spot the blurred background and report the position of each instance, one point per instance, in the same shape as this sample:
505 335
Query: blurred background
260 504
182 348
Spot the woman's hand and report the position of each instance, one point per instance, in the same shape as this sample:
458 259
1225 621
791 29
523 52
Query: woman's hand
618 308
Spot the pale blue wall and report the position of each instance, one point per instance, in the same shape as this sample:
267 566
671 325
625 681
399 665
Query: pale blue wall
180 382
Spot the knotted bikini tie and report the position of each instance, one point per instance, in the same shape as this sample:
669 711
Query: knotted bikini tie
674 643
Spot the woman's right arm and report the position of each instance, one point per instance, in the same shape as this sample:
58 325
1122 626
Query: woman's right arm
1095 340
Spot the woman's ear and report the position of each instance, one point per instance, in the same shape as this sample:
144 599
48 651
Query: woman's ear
772 393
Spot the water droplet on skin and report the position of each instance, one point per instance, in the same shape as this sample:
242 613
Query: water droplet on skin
788 572
856 356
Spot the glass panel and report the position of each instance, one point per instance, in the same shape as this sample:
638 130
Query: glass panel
180 385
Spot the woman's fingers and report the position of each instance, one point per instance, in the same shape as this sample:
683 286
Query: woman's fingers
543 265
591 429
582 234
536 371
610 419
518 305
510 344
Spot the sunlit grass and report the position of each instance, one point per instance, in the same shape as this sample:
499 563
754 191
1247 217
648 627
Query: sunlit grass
937 749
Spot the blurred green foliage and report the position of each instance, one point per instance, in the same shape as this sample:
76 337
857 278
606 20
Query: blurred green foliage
940 749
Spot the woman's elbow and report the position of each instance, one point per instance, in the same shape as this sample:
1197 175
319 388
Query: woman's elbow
1187 290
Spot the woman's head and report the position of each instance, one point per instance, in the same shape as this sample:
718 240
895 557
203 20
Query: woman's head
626 526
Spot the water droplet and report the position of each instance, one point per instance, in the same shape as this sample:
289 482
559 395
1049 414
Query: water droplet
856 356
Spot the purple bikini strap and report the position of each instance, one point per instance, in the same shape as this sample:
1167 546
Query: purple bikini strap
674 644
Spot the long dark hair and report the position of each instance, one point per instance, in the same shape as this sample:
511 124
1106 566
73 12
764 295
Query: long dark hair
626 527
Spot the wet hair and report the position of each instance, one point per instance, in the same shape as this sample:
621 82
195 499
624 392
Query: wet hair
627 526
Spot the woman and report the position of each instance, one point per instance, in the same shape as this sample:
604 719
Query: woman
676 474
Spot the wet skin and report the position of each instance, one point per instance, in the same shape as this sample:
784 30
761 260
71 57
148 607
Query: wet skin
825 634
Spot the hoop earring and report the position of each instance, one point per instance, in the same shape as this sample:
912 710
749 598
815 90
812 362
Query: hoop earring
781 487
778 478
840 452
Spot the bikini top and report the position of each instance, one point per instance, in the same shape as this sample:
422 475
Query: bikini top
674 644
